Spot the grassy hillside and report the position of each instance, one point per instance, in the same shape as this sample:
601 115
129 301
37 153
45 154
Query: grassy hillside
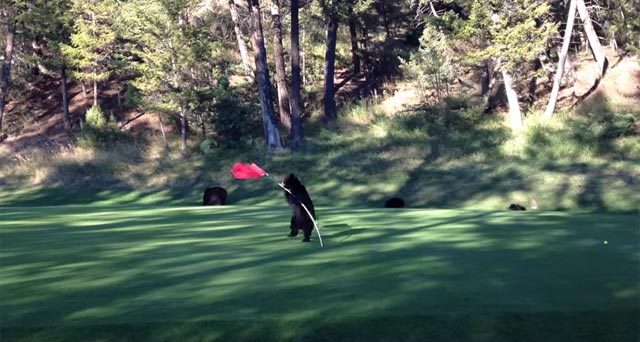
430 155
118 273
446 154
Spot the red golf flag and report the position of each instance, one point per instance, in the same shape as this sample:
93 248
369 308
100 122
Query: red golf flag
244 171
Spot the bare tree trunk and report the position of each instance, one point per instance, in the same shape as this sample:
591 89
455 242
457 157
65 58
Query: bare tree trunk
84 90
65 98
281 78
385 18
330 111
364 49
95 93
303 59
244 54
164 136
551 106
183 129
269 119
353 32
514 106
95 70
6 65
594 42
297 134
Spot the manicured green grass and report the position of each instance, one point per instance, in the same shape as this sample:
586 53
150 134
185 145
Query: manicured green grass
116 273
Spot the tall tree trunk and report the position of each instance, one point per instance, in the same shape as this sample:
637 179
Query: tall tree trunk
385 18
594 42
353 33
84 90
269 119
514 106
330 111
6 65
297 134
164 135
95 70
183 129
551 106
65 98
364 49
281 78
95 93
244 54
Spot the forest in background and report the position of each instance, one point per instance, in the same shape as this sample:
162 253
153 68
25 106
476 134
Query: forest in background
95 93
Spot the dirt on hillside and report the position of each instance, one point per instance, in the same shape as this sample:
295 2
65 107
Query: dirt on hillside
39 119
619 89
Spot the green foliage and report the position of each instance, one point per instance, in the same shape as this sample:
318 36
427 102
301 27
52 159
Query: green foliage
428 67
586 135
235 121
102 137
511 32
95 118
207 146
92 41
178 62
133 97
621 22
452 116
100 133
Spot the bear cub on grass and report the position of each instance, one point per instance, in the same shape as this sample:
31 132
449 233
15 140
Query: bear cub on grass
300 220
394 202
214 196
515 206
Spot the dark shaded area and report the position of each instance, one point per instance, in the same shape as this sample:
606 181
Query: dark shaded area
584 326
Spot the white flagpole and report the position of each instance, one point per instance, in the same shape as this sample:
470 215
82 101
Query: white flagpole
308 213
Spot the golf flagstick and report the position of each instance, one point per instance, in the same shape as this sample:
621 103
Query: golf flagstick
308 213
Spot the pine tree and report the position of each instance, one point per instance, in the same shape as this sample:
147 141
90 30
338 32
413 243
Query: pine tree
509 34
92 42
51 20
11 13
173 52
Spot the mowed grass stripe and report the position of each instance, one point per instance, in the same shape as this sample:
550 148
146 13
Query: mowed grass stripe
76 266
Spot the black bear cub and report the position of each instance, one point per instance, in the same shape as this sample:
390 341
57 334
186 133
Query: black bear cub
214 196
394 202
300 219
515 206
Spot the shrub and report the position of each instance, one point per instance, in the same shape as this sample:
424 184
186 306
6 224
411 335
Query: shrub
95 117
102 138
100 133
236 123
428 66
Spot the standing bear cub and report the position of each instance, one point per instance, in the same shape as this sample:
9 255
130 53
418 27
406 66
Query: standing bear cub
300 219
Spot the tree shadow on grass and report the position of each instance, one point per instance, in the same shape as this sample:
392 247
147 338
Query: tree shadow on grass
230 273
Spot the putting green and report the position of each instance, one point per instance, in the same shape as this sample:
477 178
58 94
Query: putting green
230 273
